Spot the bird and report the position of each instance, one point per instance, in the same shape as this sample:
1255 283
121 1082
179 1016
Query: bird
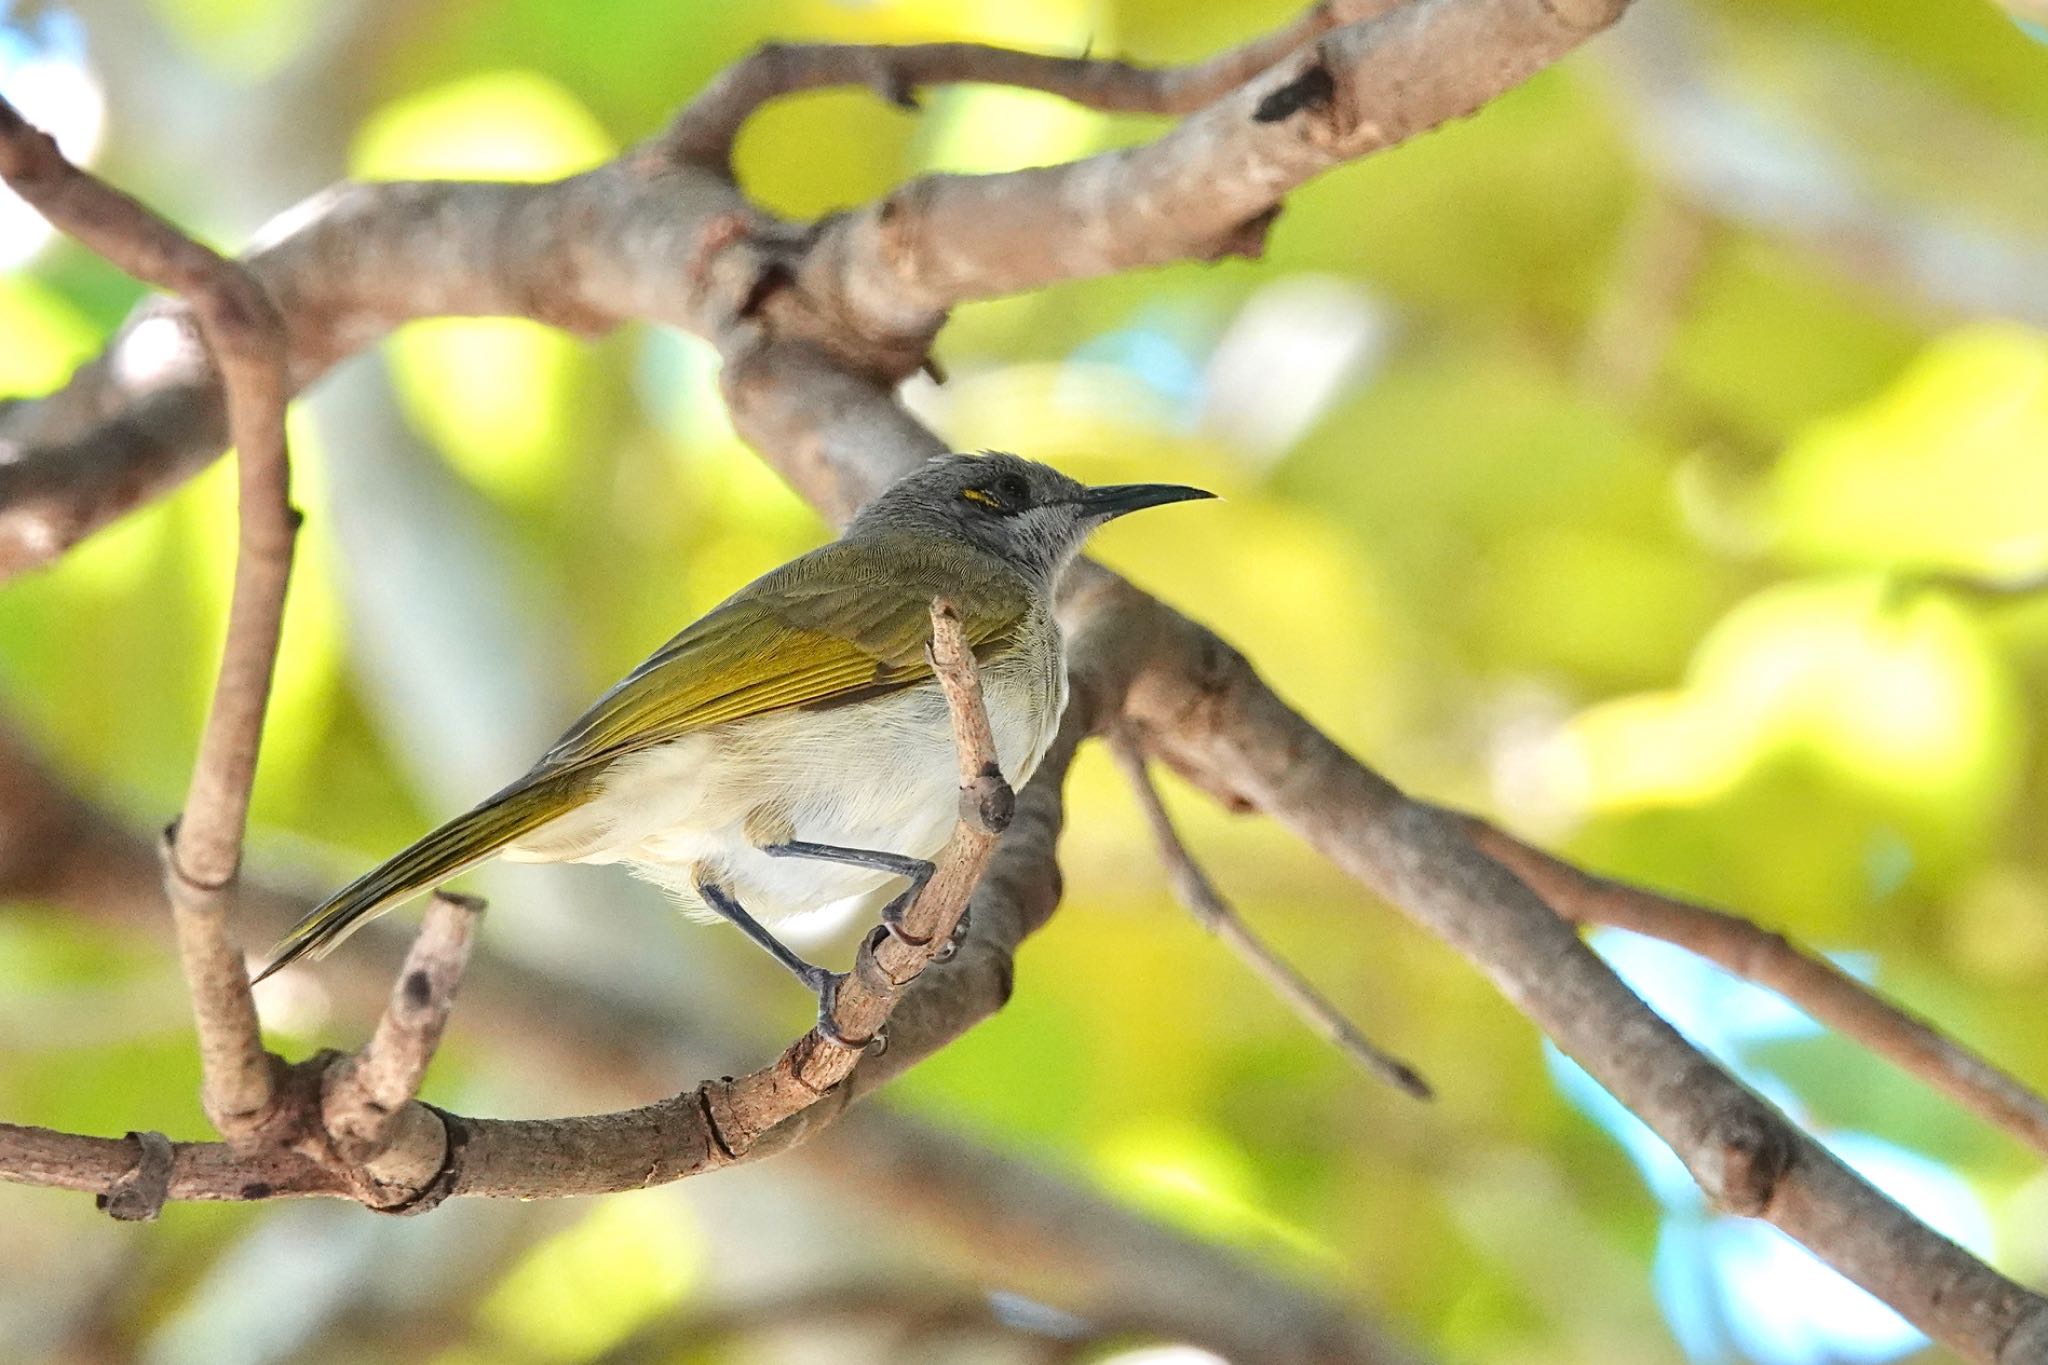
792 750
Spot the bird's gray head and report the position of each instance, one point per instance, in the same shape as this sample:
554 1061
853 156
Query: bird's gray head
1028 514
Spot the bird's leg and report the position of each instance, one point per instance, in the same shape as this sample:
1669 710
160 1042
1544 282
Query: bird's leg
917 870
822 983
815 978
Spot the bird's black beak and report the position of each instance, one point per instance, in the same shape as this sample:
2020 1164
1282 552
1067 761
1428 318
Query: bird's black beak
1113 500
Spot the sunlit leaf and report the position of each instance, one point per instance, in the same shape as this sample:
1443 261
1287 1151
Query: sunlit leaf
42 338
245 38
1909 703
585 1289
494 395
1948 469
500 125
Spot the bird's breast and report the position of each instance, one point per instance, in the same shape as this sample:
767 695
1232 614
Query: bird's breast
881 774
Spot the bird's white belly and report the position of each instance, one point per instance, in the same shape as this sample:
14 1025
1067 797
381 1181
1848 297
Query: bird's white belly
880 775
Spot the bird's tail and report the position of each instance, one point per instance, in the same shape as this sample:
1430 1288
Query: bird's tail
454 848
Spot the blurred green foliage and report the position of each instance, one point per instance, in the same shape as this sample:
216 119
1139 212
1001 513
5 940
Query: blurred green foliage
1665 622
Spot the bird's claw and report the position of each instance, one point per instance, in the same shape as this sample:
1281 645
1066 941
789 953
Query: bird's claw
953 940
826 984
892 920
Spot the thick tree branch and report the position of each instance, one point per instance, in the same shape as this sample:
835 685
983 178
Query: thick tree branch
645 237
1203 708
1208 188
1200 707
1823 990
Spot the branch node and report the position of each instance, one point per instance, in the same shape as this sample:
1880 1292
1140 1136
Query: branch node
202 895
868 967
1742 1156
446 1177
827 1026
712 1127
1312 89
774 277
988 802
137 1195
1247 239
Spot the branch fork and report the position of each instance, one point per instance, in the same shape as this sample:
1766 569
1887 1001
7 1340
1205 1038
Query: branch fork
814 329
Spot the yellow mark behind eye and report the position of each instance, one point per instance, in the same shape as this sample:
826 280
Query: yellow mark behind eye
982 496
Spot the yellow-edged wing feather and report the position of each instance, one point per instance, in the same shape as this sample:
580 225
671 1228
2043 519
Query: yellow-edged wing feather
844 623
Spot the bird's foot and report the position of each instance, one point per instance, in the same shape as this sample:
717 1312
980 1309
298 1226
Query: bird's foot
826 984
892 920
954 939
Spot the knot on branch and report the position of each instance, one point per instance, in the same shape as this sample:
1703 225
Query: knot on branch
987 802
1742 1154
455 1135
1312 89
137 1195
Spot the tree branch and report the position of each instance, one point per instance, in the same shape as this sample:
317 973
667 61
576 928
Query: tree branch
1208 188
704 133
1202 707
359 1132
1022 1226
646 237
854 304
1193 889
241 330
1815 985
366 1101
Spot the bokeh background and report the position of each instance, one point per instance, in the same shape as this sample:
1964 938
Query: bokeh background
1618 462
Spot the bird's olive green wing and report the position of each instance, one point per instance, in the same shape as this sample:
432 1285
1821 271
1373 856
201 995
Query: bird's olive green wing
844 623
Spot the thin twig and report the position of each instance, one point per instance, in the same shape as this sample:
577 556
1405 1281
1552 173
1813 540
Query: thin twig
704 132
1815 985
368 1096
888 961
1193 889
985 797
246 338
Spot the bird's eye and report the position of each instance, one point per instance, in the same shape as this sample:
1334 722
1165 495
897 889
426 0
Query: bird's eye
1006 496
